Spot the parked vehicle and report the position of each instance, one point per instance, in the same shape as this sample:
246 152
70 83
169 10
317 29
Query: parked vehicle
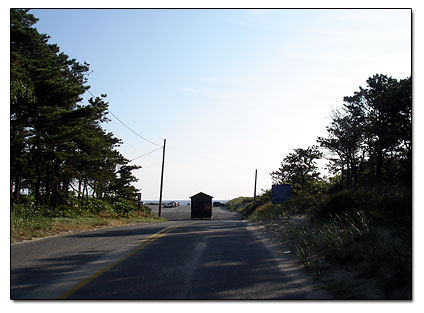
171 204
217 203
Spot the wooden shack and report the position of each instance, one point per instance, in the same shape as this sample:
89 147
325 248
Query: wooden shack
201 206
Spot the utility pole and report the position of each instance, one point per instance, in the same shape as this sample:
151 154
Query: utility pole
161 179
254 195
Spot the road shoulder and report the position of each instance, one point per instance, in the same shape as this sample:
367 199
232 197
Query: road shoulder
300 279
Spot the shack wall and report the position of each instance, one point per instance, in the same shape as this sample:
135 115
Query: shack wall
201 206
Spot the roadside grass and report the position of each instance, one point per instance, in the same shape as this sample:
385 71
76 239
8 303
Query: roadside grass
29 226
369 253
357 245
240 205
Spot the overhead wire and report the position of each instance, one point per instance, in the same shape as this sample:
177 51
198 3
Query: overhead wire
146 154
128 126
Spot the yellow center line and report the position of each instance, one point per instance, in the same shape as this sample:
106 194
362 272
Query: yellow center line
143 244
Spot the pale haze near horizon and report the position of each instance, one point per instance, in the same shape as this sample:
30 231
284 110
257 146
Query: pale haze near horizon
231 90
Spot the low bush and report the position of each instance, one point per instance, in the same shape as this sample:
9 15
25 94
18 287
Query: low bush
123 207
264 211
27 209
29 220
237 203
95 206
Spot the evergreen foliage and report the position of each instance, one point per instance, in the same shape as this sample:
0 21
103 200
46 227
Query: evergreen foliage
300 170
359 219
370 138
58 147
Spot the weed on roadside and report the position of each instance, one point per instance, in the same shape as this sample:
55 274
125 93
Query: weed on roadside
31 221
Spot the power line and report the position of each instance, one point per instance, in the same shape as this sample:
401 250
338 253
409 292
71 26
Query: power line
128 126
146 154
134 131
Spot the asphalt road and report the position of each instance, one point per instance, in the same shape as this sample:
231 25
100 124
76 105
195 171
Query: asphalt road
223 258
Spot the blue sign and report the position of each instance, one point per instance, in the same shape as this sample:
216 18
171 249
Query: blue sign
281 193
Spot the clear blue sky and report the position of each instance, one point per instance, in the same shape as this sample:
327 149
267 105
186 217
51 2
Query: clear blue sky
231 90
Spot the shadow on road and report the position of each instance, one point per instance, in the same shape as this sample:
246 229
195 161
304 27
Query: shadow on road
183 213
26 279
203 259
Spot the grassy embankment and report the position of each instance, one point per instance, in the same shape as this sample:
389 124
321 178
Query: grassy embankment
29 221
356 243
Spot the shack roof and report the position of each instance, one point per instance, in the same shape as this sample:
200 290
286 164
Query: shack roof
201 194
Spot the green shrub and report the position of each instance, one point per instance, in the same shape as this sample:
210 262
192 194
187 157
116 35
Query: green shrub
95 206
394 254
397 202
27 209
302 204
142 210
338 203
236 203
123 207
265 211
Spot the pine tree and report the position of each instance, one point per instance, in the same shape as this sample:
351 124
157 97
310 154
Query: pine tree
58 144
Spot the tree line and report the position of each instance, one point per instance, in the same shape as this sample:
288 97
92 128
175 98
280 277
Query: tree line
58 147
360 218
369 142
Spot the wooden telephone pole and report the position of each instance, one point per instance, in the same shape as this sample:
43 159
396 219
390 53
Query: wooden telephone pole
254 194
161 179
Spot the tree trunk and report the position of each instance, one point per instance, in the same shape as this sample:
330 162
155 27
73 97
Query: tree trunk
85 189
48 186
354 168
349 176
379 166
65 188
37 183
15 192
79 188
